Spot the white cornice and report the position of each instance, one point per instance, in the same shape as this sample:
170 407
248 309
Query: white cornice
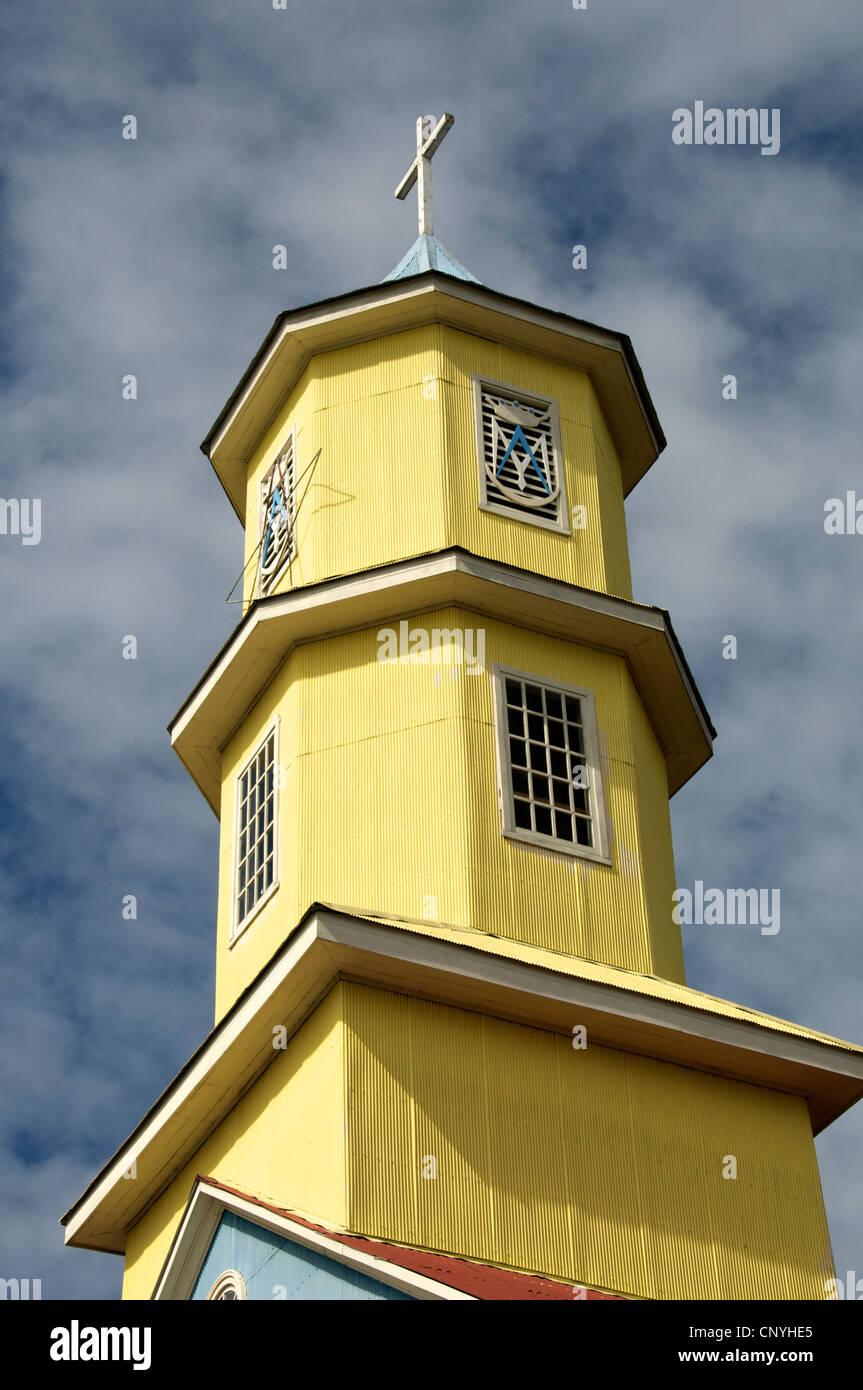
274 626
330 945
396 306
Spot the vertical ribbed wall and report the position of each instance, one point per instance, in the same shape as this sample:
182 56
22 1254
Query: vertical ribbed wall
376 492
389 804
610 491
595 1166
397 473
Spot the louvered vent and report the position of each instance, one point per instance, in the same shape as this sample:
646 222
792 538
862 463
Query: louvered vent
518 440
277 516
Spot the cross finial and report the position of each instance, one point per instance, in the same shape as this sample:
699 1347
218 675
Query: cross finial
429 137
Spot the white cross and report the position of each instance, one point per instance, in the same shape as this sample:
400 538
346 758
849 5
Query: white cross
429 137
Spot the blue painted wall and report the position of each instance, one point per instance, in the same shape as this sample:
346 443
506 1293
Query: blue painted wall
276 1268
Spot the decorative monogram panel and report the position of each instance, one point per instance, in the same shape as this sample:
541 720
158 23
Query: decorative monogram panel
519 455
277 516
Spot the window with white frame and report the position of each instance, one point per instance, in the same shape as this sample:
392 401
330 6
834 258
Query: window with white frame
256 832
520 455
548 760
277 516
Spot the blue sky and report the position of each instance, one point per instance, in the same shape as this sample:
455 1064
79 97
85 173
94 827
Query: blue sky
259 127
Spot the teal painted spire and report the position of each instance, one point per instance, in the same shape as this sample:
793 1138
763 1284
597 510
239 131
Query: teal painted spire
427 253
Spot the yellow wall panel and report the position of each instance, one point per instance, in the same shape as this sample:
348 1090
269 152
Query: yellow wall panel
376 492
283 1142
389 804
618 577
652 857
595 1166
468 354
390 424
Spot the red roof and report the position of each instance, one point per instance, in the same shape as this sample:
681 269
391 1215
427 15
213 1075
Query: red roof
482 1281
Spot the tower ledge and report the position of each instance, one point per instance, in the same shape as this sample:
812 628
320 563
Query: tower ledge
273 626
432 297
529 985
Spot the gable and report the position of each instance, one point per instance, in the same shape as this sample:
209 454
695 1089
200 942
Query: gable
275 1268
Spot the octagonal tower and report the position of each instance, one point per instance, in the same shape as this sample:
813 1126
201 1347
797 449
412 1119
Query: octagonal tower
454 1053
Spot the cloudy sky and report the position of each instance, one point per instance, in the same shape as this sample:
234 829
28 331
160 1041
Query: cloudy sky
154 257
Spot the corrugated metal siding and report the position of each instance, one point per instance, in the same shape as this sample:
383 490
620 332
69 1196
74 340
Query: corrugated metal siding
653 856
389 804
276 1268
578 558
553 900
594 1166
378 487
610 489
397 474
435 1144
455 846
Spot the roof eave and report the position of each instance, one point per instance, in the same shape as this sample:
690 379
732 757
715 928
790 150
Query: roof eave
348 318
330 944
275 625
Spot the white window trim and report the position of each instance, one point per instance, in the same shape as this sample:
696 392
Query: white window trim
231 1279
291 437
480 383
238 928
600 852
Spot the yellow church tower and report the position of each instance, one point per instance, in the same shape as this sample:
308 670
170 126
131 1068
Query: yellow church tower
454 1054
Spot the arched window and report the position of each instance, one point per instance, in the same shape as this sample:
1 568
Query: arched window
231 1284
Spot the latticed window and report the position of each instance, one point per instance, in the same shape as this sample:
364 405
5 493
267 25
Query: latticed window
256 830
551 790
520 456
277 517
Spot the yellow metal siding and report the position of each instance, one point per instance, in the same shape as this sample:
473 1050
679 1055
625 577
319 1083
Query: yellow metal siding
371 808
543 896
397 474
389 805
284 1142
653 861
610 488
576 558
594 1166
376 494
594 557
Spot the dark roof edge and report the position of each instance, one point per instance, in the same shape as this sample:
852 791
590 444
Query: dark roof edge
623 338
675 641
